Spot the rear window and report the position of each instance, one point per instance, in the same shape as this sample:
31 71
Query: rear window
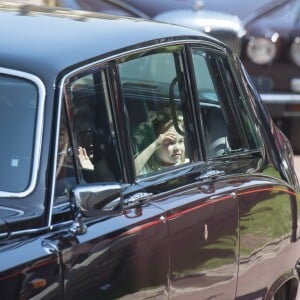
18 110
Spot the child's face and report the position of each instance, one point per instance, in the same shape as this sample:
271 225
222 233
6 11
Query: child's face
172 150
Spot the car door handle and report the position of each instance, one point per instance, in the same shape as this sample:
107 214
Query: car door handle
210 175
137 199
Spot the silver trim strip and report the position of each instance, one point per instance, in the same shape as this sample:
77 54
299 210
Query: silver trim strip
160 44
3 235
39 130
36 230
281 98
28 231
55 151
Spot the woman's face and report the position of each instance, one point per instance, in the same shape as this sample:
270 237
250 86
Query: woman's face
172 150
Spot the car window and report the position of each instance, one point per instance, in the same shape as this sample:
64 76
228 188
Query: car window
65 171
226 129
94 140
18 113
243 115
154 98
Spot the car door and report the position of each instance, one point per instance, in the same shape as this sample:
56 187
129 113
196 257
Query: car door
224 139
118 257
201 208
204 236
267 202
109 255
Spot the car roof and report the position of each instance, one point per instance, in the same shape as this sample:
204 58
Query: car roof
41 40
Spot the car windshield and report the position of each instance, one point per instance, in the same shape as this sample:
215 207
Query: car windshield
18 110
241 8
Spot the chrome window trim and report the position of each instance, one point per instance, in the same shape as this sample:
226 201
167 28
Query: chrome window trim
38 132
28 231
100 62
51 207
129 52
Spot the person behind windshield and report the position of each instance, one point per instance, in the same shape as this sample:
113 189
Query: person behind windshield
166 150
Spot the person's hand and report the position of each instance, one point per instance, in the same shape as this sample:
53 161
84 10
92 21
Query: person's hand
84 159
165 138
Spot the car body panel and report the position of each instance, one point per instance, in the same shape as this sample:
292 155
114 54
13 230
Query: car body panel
265 241
35 269
109 263
196 236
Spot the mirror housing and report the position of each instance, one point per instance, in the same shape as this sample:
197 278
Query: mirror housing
95 200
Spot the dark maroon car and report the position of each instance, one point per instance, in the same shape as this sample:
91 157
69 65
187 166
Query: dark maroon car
271 55
137 166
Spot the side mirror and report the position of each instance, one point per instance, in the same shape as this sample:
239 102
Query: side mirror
93 200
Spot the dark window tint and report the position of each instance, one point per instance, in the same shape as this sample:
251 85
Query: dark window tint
92 127
238 99
18 110
226 124
154 97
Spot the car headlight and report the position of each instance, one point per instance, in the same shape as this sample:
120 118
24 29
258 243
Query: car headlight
261 50
295 51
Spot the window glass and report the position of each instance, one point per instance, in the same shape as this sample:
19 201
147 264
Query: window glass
154 98
243 113
18 111
217 97
92 127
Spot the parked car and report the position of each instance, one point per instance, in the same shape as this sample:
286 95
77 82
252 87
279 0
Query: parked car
271 54
137 166
223 26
